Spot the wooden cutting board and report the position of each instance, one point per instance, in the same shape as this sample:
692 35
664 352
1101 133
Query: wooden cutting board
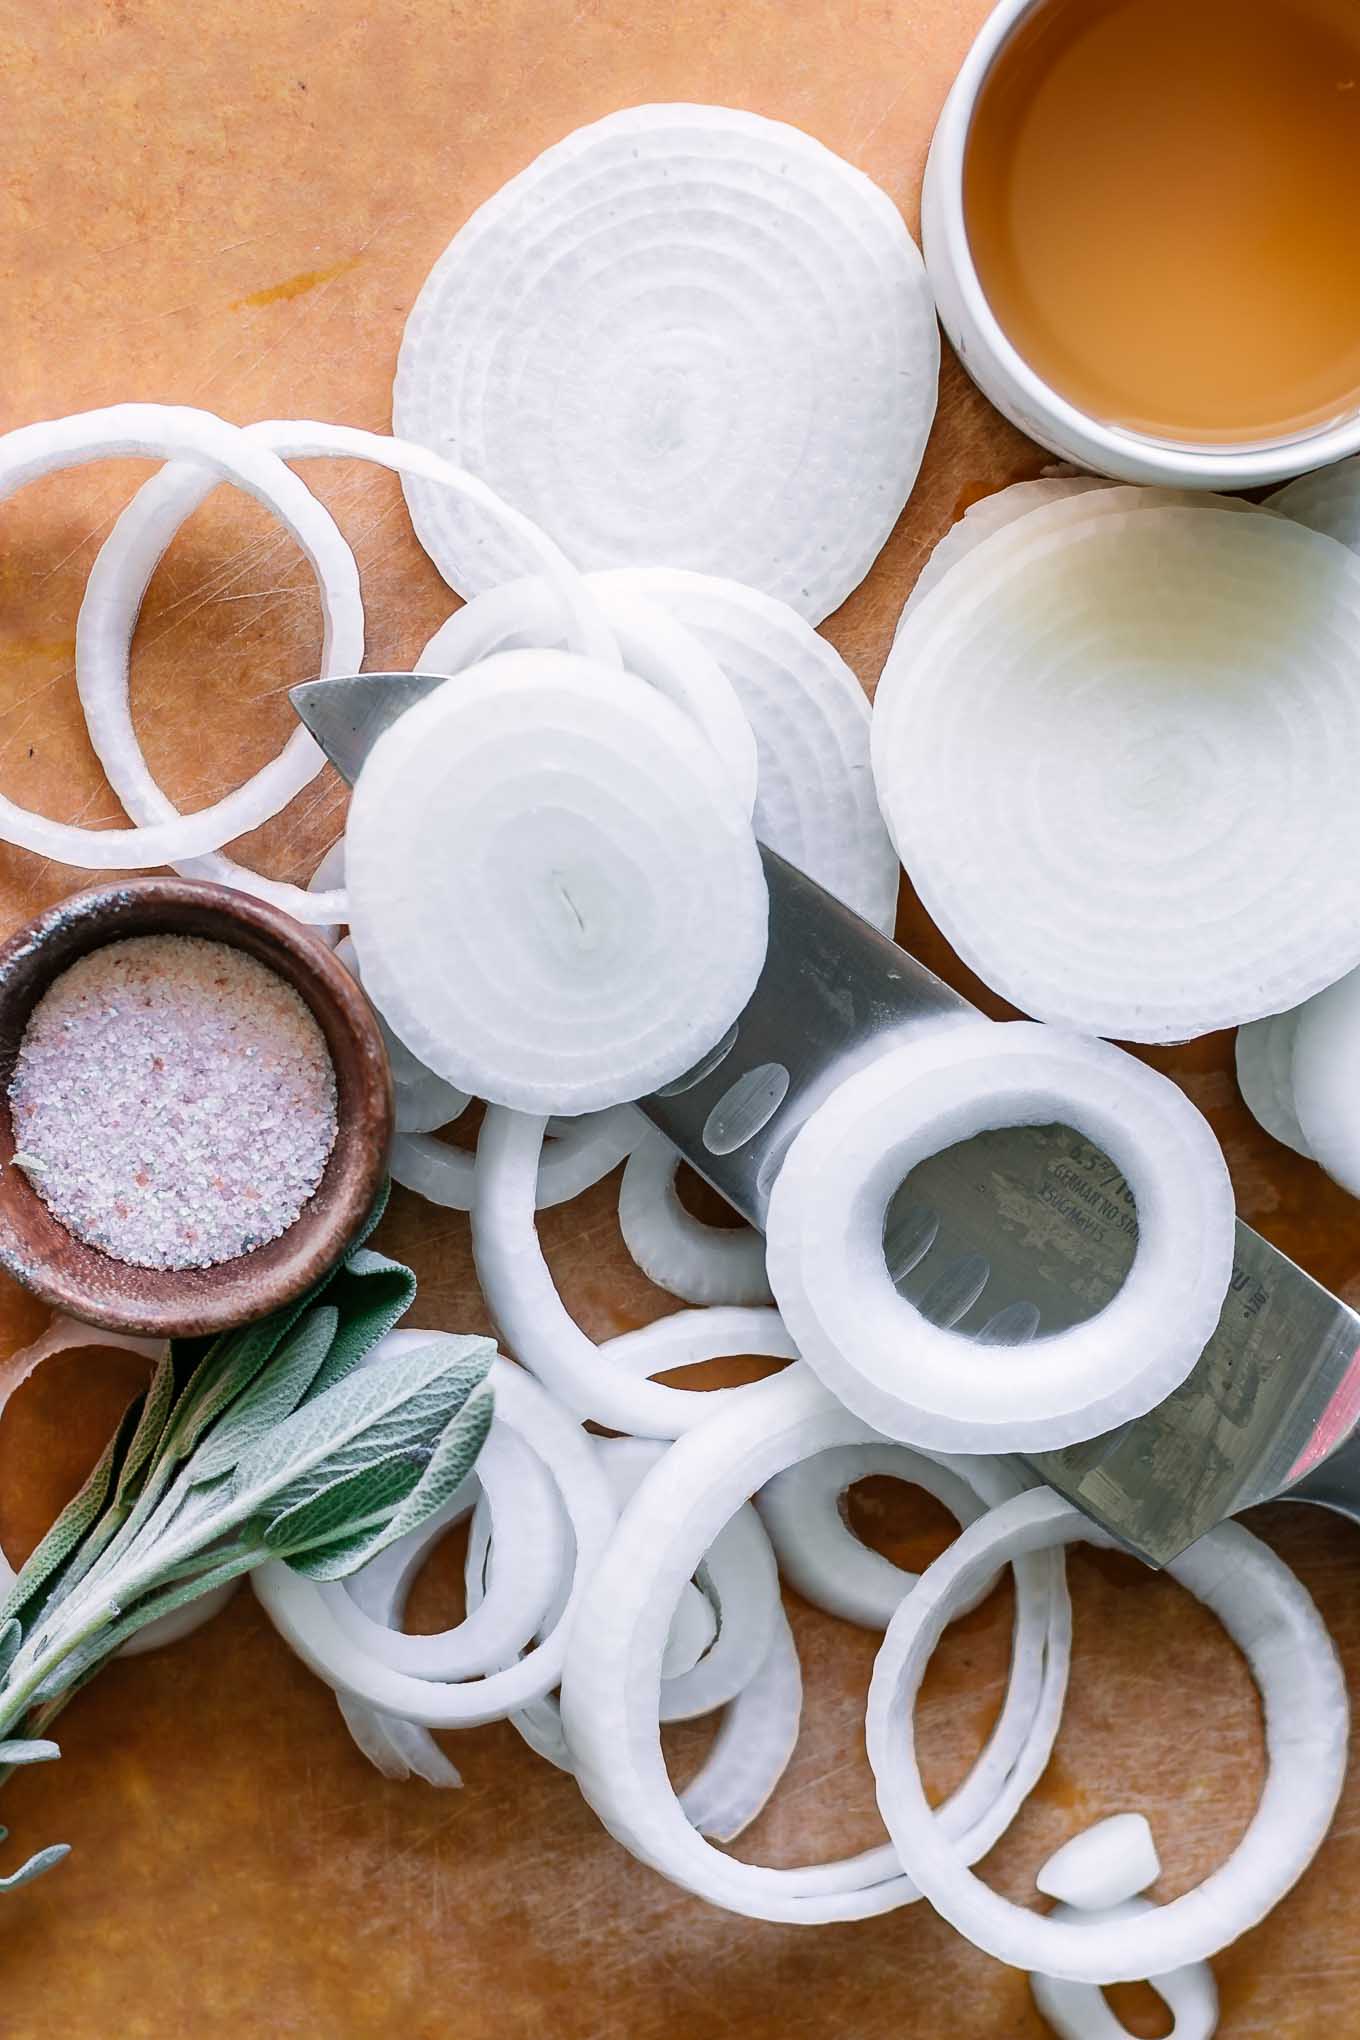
235 207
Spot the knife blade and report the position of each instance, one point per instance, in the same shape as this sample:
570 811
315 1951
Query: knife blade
1026 1227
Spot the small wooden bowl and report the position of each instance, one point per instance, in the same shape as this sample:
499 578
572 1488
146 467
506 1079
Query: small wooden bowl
38 1250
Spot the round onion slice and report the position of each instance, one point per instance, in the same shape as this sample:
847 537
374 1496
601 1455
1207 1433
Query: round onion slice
1328 500
1112 749
937 1388
555 898
1278 1630
126 562
572 1160
611 1687
701 1263
525 616
989 515
301 1614
1105 1864
598 1382
1265 1076
424 1102
226 453
68 1335
1325 1084
684 333
819 1554
815 802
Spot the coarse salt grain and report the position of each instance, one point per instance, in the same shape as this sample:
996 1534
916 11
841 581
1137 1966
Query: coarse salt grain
173 1101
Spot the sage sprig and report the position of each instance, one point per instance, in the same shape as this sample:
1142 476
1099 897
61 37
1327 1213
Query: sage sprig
270 1442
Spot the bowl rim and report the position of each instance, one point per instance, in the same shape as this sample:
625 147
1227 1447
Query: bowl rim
88 1284
1104 447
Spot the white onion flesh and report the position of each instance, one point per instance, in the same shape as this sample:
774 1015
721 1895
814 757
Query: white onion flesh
68 1335
1080 2011
684 333
1272 1620
1328 501
815 798
590 1380
220 452
989 515
1112 747
329 878
934 1387
424 1102
300 1613
1325 1080
1264 1056
524 616
819 1554
555 898
611 1689
581 1153
1106 1863
122 573
678 1252
531 1552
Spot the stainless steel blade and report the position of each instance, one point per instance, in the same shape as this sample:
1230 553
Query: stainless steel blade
1273 1403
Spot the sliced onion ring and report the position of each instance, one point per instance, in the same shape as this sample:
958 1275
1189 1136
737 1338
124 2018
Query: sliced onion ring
227 454
580 1154
684 333
300 1613
1141 707
592 1381
424 1102
612 1682
1278 1630
1264 1056
523 615
937 1388
1080 2011
819 1554
565 845
1106 1863
701 1263
127 560
1325 1079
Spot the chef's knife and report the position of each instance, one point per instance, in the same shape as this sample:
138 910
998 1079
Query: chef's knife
1027 1229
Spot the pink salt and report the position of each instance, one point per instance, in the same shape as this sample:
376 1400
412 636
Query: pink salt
173 1101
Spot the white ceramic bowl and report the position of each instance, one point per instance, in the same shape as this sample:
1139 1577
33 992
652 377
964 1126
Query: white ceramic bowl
1003 375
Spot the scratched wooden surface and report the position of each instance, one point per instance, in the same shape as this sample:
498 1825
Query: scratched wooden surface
235 207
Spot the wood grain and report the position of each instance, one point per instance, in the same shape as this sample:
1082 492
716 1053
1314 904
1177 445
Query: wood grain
235 207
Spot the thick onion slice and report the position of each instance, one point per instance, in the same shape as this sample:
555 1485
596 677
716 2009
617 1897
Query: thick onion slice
701 1263
224 453
819 1554
991 514
609 1384
1264 1053
1272 1620
684 333
1080 2011
126 562
301 1614
524 615
555 897
935 1387
1094 736
1325 1079
611 1689
68 1335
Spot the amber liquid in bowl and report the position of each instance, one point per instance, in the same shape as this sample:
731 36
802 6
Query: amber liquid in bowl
1163 208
